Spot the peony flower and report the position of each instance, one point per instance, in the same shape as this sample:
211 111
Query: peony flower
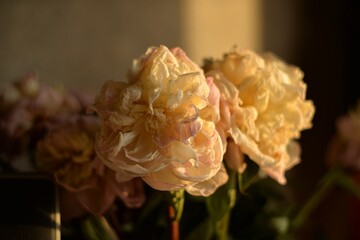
25 106
68 152
344 148
343 152
160 125
51 103
265 101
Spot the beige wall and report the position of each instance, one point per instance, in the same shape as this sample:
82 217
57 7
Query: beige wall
82 43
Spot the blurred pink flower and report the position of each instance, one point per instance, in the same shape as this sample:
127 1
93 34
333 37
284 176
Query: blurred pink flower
161 125
68 152
343 152
25 106
86 99
344 148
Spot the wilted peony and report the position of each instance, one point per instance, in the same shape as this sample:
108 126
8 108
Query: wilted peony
266 106
68 152
161 125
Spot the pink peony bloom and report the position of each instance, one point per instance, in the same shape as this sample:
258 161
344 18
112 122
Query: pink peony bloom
161 125
68 152
344 148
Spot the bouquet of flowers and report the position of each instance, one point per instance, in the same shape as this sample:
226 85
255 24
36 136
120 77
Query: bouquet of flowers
174 150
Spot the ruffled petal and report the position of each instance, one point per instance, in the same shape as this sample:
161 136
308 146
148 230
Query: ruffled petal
98 199
208 187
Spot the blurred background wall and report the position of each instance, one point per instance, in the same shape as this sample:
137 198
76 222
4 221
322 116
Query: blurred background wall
80 44
77 42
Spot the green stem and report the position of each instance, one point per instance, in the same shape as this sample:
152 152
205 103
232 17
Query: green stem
96 228
177 199
333 177
174 224
229 193
326 185
175 210
346 182
222 227
244 185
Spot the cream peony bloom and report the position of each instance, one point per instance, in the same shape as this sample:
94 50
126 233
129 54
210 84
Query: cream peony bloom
266 101
160 126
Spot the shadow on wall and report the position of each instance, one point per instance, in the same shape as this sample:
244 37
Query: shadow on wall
324 42
81 43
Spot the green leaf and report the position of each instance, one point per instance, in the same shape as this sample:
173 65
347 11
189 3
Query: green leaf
98 228
219 206
325 186
220 202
